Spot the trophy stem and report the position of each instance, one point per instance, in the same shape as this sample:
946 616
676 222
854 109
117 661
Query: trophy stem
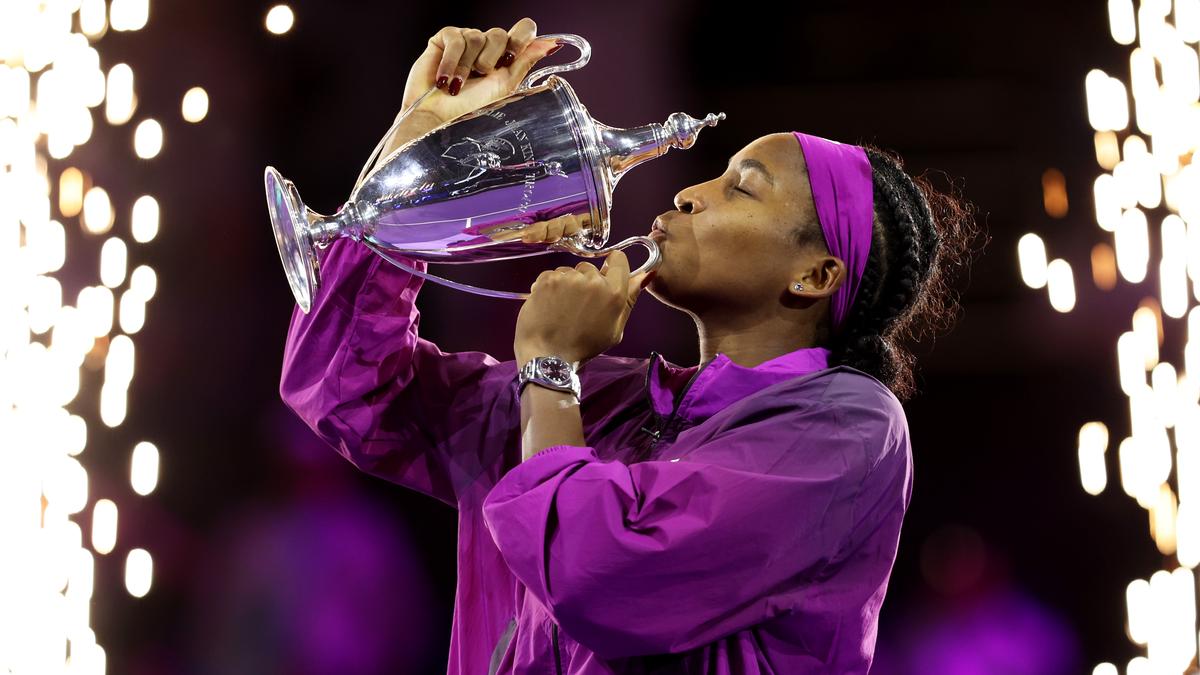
299 231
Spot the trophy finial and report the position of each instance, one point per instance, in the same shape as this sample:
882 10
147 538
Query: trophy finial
622 149
682 128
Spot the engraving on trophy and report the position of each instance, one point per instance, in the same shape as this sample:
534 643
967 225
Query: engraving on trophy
480 155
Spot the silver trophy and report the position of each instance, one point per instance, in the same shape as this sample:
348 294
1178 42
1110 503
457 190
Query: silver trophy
463 192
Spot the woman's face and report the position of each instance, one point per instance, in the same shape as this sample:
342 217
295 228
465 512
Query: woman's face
728 246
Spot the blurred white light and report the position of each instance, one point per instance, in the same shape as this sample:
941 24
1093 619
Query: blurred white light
1031 255
144 281
1108 202
1133 245
1130 364
132 311
1093 442
93 17
1121 25
139 571
118 364
1060 285
145 219
95 304
1149 335
113 402
129 14
143 472
148 139
97 211
66 486
1107 102
120 101
280 19
195 104
104 526
1137 608
113 259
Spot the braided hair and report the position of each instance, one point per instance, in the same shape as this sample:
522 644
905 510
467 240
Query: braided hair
919 236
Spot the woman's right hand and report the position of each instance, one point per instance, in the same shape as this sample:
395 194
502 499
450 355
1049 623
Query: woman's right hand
453 55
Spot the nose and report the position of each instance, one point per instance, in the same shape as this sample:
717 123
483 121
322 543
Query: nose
686 201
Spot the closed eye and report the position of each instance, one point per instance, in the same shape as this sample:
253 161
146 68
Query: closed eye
739 189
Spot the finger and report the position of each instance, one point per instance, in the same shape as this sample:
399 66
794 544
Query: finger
575 224
495 42
534 52
554 230
637 283
473 41
519 36
534 233
588 269
616 270
564 268
450 41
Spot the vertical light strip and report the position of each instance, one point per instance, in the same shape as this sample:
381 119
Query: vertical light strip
1146 198
57 92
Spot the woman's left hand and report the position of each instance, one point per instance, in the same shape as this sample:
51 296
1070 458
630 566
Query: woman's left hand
577 313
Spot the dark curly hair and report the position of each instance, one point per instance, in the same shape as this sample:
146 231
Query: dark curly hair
921 237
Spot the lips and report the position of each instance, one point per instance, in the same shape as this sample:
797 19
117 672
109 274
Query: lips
659 226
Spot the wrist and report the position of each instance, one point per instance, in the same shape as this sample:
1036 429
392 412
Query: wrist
423 117
526 354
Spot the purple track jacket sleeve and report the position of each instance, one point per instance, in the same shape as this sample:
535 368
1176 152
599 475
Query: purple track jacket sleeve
665 556
392 403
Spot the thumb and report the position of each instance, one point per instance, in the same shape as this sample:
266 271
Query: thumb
534 52
637 283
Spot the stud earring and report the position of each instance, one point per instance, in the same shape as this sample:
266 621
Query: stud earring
797 286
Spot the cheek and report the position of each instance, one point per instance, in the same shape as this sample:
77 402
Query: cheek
729 257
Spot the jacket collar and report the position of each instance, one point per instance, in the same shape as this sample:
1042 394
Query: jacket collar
720 382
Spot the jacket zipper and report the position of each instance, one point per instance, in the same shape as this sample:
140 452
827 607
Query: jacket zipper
557 659
663 426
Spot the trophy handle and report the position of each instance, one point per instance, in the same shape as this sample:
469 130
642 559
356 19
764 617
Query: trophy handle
565 245
655 258
585 54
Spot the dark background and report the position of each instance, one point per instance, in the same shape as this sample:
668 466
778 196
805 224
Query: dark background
273 554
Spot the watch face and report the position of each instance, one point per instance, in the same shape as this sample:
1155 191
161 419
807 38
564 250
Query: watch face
557 370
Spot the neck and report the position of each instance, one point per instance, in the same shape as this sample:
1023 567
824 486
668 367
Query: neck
752 340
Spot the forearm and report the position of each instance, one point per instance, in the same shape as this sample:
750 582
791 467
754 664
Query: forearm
548 417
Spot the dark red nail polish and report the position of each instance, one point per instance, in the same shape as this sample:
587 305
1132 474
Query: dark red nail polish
506 60
441 82
556 48
455 86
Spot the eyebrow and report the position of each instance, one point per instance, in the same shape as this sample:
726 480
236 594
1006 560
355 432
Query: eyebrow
756 165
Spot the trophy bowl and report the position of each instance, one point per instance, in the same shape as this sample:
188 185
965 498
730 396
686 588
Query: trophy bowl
465 191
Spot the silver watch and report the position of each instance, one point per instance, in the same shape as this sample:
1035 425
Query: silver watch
551 372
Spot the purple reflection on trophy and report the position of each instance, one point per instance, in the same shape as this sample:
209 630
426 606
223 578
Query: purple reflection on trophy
463 192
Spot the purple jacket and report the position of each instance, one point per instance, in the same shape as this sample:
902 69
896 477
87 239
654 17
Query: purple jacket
749 526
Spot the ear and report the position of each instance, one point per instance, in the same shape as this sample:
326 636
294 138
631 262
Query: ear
821 276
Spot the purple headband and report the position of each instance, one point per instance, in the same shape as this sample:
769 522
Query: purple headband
844 196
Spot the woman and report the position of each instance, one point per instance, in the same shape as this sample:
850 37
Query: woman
737 516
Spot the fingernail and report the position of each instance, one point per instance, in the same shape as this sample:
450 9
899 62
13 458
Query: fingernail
506 60
441 82
556 48
455 86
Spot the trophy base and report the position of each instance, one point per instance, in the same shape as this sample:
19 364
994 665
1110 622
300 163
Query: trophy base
293 237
